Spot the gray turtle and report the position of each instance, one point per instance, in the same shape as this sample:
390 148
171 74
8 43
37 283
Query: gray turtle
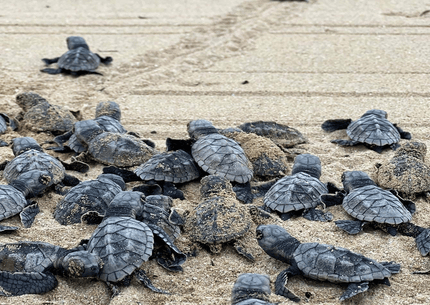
13 196
28 267
365 201
372 129
30 156
79 60
406 172
112 148
251 289
40 116
92 195
220 218
301 191
321 262
218 155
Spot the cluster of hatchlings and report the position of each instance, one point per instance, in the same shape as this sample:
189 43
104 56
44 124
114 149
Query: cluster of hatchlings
234 166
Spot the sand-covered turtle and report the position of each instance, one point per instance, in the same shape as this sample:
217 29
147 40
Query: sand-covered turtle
322 262
88 196
39 115
79 60
371 205
251 289
112 148
406 172
301 191
372 129
220 218
13 197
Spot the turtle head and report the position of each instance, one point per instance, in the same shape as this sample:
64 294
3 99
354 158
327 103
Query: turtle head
74 42
379 113
354 179
277 242
200 128
114 178
20 145
28 100
413 149
213 185
126 204
81 264
110 109
87 130
33 182
307 163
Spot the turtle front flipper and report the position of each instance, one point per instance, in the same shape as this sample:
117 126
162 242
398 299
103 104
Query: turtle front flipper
143 278
48 61
354 289
19 283
148 189
423 242
104 60
52 71
241 249
345 142
313 214
333 125
328 200
28 214
7 229
350 226
281 281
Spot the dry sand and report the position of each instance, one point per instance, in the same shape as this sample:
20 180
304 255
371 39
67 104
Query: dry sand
175 61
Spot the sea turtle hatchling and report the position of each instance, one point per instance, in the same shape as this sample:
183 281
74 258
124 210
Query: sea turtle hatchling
406 172
39 115
321 262
251 289
220 218
112 148
301 191
365 201
372 129
78 60
92 195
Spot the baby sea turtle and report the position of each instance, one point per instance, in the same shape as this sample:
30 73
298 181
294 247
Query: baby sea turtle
251 289
321 262
301 191
220 218
406 172
112 148
39 115
92 195
78 60
13 196
27 267
372 129
365 201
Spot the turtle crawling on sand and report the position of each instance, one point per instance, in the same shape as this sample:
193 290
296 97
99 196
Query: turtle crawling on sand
321 262
251 289
79 60
372 129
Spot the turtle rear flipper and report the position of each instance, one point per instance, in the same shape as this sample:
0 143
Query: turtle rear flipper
19 283
423 242
125 174
48 61
333 125
346 142
403 134
52 71
391 266
7 229
354 289
240 248
28 214
317 215
281 281
143 278
169 189
350 226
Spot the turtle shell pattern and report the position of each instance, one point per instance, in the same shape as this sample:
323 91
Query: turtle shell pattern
33 159
373 130
335 264
119 149
92 195
12 201
371 203
295 193
176 167
218 220
79 59
219 155
3 125
123 244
